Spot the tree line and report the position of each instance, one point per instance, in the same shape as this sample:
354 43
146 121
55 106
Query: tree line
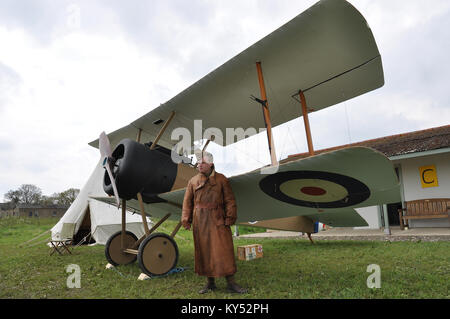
31 194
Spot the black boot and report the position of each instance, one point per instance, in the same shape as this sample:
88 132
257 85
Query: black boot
210 286
233 287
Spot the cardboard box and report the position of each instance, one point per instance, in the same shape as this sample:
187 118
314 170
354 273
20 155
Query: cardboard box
249 252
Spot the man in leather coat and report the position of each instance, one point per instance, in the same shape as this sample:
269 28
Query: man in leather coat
209 207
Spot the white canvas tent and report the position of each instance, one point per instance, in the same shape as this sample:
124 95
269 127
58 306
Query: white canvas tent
103 219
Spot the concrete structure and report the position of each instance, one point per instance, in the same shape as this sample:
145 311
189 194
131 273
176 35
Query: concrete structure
412 180
422 162
30 210
344 233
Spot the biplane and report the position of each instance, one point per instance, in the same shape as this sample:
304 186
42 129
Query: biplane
322 57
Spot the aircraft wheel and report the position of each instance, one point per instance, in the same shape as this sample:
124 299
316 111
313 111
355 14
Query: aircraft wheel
113 249
158 254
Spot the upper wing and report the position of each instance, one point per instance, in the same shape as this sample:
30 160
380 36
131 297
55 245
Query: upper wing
328 52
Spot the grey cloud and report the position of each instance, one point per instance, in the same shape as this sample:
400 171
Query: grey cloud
194 37
10 80
38 18
5 145
166 28
158 25
419 62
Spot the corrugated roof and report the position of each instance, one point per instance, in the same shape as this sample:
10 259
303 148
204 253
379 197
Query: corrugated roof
405 143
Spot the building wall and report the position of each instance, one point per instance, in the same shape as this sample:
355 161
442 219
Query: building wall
370 215
8 213
412 186
412 189
41 212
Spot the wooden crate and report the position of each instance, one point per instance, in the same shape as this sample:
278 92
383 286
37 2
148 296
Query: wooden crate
249 252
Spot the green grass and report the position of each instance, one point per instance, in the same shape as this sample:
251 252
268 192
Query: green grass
290 268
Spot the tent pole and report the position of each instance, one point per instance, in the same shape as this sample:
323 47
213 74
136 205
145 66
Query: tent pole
306 121
266 114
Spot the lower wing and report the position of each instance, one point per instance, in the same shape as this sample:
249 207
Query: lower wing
326 188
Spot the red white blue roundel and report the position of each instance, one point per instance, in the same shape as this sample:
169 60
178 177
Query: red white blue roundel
315 189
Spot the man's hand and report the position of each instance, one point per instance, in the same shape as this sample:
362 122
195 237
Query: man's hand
187 226
229 221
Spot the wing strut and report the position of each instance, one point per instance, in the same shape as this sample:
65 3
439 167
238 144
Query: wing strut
266 114
124 222
162 130
306 120
204 148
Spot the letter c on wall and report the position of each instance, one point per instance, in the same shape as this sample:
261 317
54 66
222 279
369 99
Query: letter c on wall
428 176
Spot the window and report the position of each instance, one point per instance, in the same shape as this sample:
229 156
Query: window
30 214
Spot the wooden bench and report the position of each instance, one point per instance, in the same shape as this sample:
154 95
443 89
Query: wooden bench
424 209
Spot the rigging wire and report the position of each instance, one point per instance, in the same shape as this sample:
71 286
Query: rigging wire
297 150
282 149
249 156
281 111
347 119
240 151
237 149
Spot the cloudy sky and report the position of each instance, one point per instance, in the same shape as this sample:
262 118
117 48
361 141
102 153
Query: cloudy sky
71 69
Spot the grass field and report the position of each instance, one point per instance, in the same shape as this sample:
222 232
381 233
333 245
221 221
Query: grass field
290 268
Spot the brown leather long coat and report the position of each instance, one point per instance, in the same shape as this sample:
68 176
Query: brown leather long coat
209 205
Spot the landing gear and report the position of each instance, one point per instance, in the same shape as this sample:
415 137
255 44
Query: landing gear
114 252
158 254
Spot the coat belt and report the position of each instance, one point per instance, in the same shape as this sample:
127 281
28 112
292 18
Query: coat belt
206 205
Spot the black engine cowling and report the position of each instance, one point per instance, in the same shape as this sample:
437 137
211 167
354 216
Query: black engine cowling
137 168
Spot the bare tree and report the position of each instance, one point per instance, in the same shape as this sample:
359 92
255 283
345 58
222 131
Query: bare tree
13 196
48 200
31 194
67 197
26 194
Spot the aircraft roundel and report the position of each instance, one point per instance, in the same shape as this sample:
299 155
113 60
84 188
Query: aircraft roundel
315 189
